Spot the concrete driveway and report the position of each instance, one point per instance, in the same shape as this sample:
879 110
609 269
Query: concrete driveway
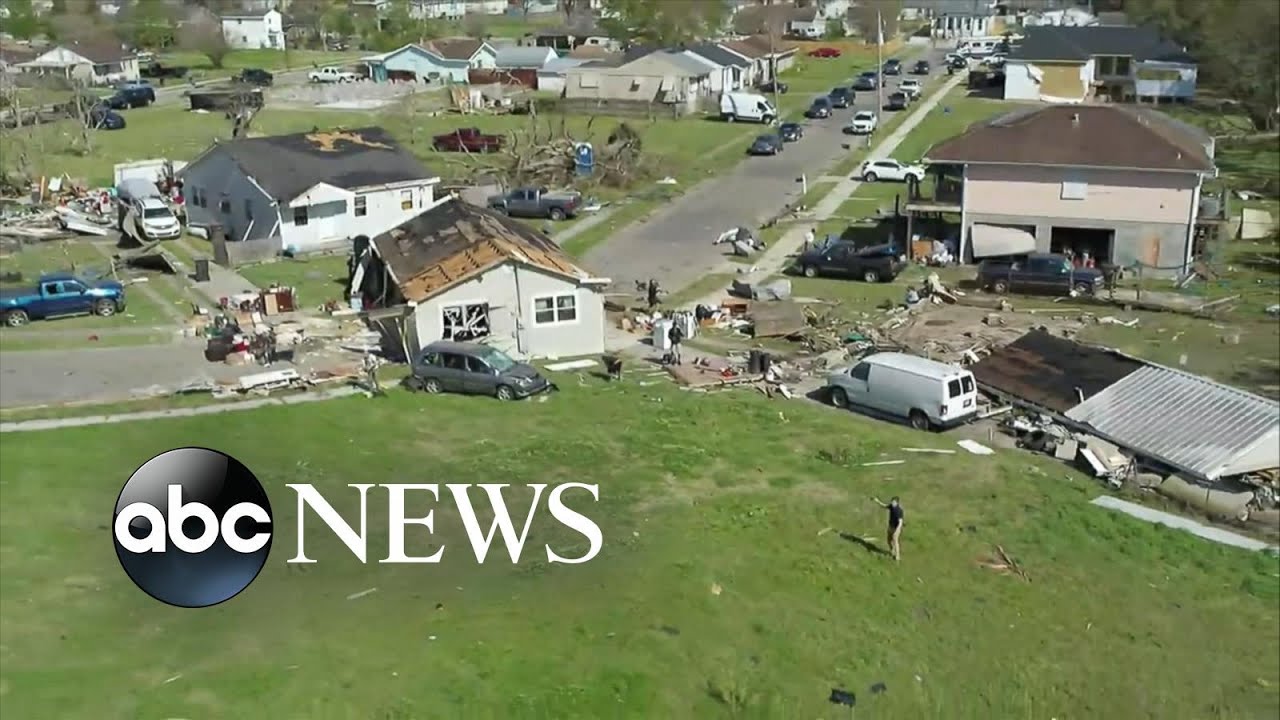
674 245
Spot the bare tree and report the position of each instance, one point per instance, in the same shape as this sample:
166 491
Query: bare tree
204 36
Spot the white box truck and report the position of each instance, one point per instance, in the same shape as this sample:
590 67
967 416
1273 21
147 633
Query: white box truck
926 393
748 107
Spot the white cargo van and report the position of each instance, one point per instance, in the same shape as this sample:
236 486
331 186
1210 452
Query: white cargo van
927 393
749 107
978 47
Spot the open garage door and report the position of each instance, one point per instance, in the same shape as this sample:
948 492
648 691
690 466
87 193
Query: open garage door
998 240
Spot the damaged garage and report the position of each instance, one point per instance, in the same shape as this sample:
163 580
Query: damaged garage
465 273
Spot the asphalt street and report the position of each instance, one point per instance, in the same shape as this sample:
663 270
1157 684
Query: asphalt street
674 244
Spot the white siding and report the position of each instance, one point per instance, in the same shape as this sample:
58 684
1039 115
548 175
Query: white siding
332 221
254 32
510 291
214 178
1018 83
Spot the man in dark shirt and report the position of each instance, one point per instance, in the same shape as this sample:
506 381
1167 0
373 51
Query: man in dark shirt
895 525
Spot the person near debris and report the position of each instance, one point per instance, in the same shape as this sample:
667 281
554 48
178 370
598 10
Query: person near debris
676 336
652 293
371 373
896 518
809 238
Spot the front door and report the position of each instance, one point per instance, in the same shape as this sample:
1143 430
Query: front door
859 385
452 372
64 298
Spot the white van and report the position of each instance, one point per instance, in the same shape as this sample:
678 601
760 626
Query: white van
927 393
750 107
978 47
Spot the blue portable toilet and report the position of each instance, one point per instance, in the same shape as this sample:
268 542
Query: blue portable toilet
585 158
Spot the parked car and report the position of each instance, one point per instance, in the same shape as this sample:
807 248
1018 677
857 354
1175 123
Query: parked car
468 140
874 170
1038 273
878 263
790 132
160 71
537 203
866 81
101 117
769 144
892 66
58 295
840 97
864 122
135 94
332 75
153 219
958 63
911 87
747 106
896 101
920 68
115 101
256 76
474 369
926 393
773 86
820 108
824 52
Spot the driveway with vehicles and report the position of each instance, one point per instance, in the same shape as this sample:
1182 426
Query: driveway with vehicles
674 245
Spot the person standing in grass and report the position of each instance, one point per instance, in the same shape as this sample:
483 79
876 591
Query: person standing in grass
896 518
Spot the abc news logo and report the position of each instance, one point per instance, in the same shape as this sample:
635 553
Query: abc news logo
193 527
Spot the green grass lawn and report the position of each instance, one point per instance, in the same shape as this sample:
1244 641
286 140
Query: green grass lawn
317 279
274 60
726 588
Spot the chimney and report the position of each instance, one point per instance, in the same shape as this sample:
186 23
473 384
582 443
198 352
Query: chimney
1075 119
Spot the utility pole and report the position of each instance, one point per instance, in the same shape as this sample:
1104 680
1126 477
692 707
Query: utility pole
879 64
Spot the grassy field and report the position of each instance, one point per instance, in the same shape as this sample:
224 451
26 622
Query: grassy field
316 279
726 589
273 60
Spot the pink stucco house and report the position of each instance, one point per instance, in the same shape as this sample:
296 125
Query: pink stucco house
1120 182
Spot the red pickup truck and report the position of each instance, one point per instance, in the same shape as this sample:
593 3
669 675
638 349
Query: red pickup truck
468 140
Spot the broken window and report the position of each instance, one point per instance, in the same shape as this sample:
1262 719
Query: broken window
555 309
300 216
361 207
465 322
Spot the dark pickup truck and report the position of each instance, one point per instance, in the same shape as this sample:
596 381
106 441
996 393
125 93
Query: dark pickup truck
1038 273
877 263
60 294
537 203
159 71
132 95
468 140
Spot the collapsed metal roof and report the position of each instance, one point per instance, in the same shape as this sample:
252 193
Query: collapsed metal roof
1201 427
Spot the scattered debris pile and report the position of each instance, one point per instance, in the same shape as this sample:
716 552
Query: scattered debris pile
58 208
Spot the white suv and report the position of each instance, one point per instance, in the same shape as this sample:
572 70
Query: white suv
911 87
864 122
873 170
155 220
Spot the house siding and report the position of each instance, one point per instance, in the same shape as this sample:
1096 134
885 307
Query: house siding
423 65
1058 82
331 222
253 33
509 290
1157 80
217 177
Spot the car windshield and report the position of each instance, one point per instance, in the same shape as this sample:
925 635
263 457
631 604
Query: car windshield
497 359
864 116
156 213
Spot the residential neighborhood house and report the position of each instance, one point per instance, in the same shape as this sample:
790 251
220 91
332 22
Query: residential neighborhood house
254 30
765 60
13 54
551 76
94 63
413 63
307 190
516 57
1120 182
469 274
437 9
582 32
1078 64
661 78
478 54
738 67
965 19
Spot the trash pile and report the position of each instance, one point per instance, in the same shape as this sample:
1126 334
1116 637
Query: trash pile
59 208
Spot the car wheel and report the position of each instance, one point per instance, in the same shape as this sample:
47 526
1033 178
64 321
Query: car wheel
871 276
1000 287
104 308
555 213
505 393
432 386
869 177
1083 288
839 398
810 271
16 318
918 420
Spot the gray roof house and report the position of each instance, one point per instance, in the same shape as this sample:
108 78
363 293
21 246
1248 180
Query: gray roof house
513 57
1055 63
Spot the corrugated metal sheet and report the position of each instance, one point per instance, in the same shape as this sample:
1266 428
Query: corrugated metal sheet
1191 423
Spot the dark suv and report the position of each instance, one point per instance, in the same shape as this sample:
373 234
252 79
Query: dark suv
892 66
840 97
475 369
1038 273
821 108
135 94
878 263
256 76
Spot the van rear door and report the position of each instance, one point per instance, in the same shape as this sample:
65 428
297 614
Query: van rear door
961 399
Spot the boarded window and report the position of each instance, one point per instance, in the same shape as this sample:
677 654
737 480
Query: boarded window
464 322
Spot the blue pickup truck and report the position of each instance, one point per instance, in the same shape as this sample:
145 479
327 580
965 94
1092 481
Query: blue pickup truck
59 294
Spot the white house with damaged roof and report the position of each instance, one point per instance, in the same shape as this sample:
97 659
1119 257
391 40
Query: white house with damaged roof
307 190
465 273
1065 64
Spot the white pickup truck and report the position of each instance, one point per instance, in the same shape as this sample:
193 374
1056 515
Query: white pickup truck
332 75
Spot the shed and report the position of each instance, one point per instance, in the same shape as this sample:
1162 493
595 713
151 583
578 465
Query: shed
518 58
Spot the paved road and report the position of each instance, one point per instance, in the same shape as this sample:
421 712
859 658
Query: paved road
674 245
173 91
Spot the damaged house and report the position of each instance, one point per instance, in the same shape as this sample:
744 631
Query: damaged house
468 274
307 191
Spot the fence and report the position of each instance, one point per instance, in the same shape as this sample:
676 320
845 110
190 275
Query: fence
619 108
233 254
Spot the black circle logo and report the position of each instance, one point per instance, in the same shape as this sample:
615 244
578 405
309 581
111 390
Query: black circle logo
192 527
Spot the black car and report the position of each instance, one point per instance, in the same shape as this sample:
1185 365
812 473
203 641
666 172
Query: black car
1038 273
869 80
256 76
878 263
958 63
132 95
892 66
920 68
840 97
769 144
790 132
773 86
821 108
896 101
101 117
